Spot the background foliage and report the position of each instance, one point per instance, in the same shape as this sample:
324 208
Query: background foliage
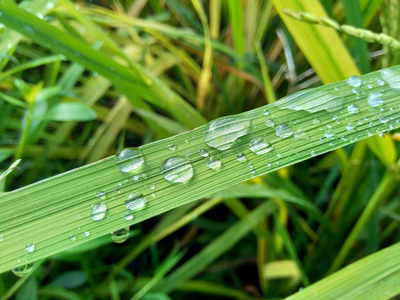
150 69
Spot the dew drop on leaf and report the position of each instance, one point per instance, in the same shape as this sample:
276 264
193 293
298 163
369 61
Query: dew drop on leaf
129 160
120 235
177 169
30 248
213 162
98 212
260 146
135 201
23 271
354 81
284 131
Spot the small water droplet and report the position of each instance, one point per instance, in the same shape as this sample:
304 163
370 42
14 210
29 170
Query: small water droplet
171 147
284 131
98 212
241 157
384 119
152 187
329 134
73 237
135 178
101 195
23 271
265 112
352 109
129 160
269 123
177 169
313 153
350 127
86 233
128 217
213 162
316 121
260 146
223 132
30 248
380 82
203 152
375 99
344 138
120 235
269 164
135 201
354 81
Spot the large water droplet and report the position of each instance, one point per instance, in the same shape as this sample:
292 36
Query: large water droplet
352 109
260 146
375 99
354 81
223 132
129 160
135 201
98 212
120 235
284 131
214 162
30 248
177 169
23 271
241 157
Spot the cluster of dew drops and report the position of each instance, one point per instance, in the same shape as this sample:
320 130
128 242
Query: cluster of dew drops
219 134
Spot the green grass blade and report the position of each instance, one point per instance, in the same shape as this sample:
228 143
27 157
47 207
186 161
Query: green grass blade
318 121
373 277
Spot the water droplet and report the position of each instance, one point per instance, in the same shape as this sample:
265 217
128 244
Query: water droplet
101 195
316 121
135 201
384 119
380 82
128 217
344 138
300 134
350 127
375 99
352 109
329 134
177 169
120 235
223 132
313 153
152 187
129 160
269 164
284 131
135 178
9 45
203 152
49 5
241 157
391 76
98 212
354 81
23 271
72 237
30 248
213 162
86 233
265 112
40 16
171 147
269 123
260 146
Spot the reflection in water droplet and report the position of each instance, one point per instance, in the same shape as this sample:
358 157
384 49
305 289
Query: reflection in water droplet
223 132
260 146
213 162
375 99
354 81
120 235
177 169
352 109
171 147
284 131
203 152
269 123
241 157
129 160
128 216
23 271
30 248
98 212
135 201
101 195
